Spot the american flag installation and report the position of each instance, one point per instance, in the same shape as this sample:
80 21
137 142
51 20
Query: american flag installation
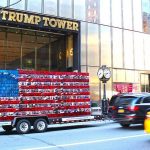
34 93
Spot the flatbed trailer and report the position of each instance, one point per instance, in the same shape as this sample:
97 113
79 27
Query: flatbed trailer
30 98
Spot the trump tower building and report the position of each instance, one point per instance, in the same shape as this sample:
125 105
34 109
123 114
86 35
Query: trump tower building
82 35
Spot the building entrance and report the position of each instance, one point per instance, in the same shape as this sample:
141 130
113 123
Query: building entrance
29 49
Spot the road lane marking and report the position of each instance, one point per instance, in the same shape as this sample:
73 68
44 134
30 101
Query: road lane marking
86 142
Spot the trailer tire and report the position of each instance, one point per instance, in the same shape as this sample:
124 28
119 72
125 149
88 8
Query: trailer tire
40 125
23 126
7 128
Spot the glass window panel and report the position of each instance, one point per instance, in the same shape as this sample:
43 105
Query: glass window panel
94 83
42 52
69 52
83 69
114 74
138 50
117 48
92 10
79 9
83 43
146 6
65 8
19 5
129 76
116 13
43 55
93 45
120 75
34 6
127 14
50 7
128 49
144 83
137 13
3 3
61 53
105 12
147 51
28 52
136 77
13 51
105 46
2 50
146 15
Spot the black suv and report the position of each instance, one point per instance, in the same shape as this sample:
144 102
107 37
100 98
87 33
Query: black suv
111 106
131 108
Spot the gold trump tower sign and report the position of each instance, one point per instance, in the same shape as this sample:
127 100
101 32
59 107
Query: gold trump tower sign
41 21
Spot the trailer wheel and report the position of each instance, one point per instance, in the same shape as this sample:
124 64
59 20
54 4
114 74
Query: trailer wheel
40 125
23 126
7 128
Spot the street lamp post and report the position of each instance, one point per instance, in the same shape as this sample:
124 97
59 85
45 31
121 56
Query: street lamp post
104 75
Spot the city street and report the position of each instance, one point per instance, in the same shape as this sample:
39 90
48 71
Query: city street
92 136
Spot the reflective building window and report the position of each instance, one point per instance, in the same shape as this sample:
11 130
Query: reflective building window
117 48
105 12
94 83
83 43
28 50
92 11
34 6
116 13
65 8
146 15
105 46
121 75
50 7
137 15
147 51
93 45
144 83
2 49
79 9
13 52
3 3
127 14
128 49
42 52
129 76
20 5
138 50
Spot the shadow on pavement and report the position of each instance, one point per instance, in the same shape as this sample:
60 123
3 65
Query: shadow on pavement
132 127
50 129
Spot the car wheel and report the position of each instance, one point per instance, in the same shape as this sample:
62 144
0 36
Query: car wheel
23 126
7 128
125 125
40 125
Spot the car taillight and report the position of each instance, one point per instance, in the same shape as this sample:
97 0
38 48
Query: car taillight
133 108
114 108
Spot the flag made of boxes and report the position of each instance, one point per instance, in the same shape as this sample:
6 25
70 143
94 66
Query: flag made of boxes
54 94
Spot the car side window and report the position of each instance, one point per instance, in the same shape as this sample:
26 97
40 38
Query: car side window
146 100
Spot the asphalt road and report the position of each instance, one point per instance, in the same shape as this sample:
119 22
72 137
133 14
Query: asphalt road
92 136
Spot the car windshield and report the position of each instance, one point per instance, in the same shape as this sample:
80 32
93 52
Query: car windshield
126 100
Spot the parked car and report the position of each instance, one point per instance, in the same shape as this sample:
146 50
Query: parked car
131 108
147 123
